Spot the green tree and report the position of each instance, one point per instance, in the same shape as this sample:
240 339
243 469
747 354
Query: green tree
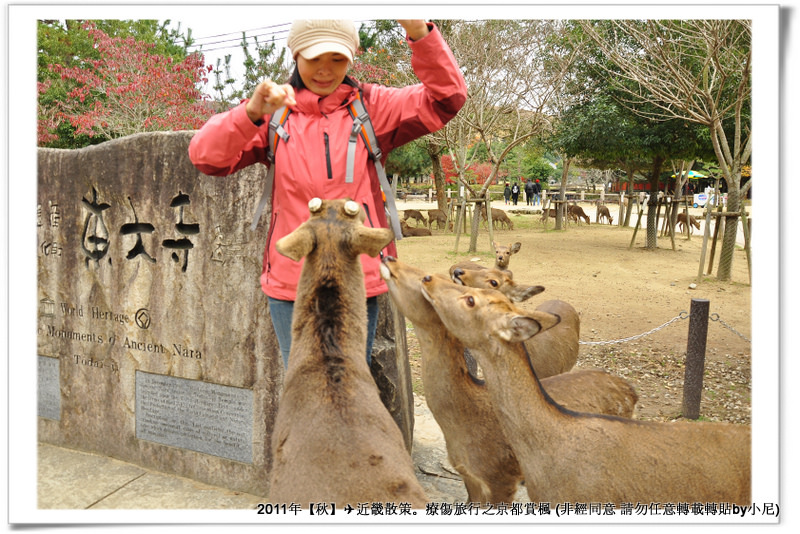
697 71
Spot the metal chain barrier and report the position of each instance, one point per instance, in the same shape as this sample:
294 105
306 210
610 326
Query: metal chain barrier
715 317
683 315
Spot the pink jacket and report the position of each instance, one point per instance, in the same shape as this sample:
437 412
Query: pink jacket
312 162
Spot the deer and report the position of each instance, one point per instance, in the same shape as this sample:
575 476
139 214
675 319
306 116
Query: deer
411 231
576 212
498 216
416 215
561 342
502 257
334 441
460 403
602 212
571 456
502 281
692 222
439 217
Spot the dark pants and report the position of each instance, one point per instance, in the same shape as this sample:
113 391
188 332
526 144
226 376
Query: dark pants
281 313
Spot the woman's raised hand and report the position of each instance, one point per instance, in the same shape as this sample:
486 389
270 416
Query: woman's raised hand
267 97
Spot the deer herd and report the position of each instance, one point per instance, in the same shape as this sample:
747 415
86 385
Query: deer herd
567 435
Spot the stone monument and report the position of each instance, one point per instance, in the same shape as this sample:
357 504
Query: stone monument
155 344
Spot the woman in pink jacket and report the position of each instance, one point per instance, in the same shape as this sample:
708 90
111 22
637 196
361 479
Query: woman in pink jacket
312 161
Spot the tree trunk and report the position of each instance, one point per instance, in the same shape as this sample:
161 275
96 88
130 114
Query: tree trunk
629 207
434 151
563 193
476 221
731 229
652 204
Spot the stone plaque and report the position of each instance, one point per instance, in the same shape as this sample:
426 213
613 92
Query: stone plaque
49 392
195 415
148 276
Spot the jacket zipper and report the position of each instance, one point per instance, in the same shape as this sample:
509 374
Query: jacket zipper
328 157
366 211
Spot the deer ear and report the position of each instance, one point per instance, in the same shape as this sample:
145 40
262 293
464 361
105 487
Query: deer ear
371 241
515 247
522 294
521 327
296 245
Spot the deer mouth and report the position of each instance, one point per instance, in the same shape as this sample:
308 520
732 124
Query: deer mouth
386 272
456 277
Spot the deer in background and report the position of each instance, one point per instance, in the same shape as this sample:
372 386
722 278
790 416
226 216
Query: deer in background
682 222
502 257
498 217
576 212
603 213
439 217
413 231
334 441
460 403
569 456
416 215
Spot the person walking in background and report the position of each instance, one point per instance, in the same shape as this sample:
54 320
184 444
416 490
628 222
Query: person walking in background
507 193
312 160
537 190
529 192
515 193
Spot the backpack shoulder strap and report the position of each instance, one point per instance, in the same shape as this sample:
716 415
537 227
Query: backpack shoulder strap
275 133
362 126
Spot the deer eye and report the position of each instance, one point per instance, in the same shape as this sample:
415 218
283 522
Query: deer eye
470 301
493 283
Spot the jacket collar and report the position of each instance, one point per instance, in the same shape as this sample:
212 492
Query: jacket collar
309 102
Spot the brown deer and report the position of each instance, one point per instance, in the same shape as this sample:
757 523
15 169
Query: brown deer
439 217
569 456
334 441
502 281
603 213
682 222
416 215
502 257
575 212
554 351
498 217
410 231
460 403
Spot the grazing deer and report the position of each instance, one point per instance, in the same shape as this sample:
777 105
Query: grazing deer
334 441
602 212
575 212
692 222
498 217
439 217
502 257
569 456
460 403
416 215
409 231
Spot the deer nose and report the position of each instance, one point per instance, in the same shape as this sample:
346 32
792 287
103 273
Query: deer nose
458 272
389 259
427 278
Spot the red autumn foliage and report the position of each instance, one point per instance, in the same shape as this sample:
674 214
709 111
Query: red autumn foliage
128 90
